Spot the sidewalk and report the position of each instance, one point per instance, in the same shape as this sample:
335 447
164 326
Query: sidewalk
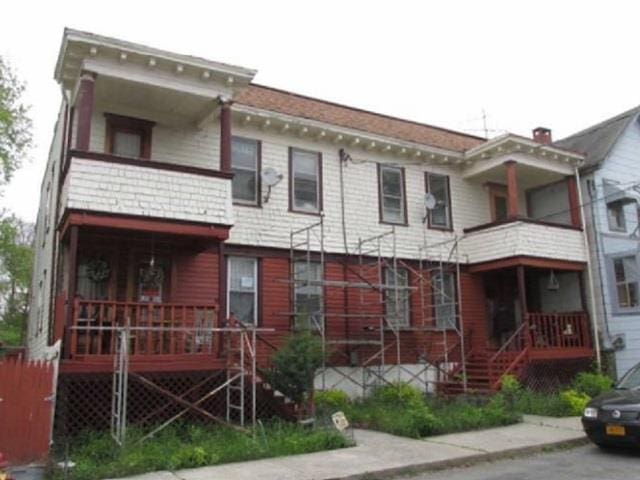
379 454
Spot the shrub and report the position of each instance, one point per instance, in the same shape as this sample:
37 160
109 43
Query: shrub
330 401
510 390
575 401
400 394
592 384
294 366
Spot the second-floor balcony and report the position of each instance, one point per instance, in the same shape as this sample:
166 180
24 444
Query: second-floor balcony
108 184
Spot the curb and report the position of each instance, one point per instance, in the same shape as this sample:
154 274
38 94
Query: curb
460 462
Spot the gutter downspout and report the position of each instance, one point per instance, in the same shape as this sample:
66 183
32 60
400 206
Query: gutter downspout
585 239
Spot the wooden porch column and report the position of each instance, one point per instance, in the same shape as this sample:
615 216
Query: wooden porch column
225 136
512 190
522 298
574 203
71 287
85 110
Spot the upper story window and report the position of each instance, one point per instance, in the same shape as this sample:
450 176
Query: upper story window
396 297
245 163
626 277
242 289
615 214
128 137
308 295
393 200
305 187
443 285
439 216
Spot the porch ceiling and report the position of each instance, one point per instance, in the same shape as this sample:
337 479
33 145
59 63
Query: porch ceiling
529 176
153 102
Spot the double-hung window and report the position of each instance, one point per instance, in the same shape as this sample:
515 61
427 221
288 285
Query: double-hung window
308 295
128 137
396 297
443 286
626 277
242 286
438 186
392 194
245 158
305 181
615 214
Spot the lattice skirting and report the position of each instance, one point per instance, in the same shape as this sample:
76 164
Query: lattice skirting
548 376
84 401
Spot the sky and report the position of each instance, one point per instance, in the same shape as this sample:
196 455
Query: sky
559 64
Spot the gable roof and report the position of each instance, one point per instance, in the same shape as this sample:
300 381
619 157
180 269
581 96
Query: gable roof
268 98
597 141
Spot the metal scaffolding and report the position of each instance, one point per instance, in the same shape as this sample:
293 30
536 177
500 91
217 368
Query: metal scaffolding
374 325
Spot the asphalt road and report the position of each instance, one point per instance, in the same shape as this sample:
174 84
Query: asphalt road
578 463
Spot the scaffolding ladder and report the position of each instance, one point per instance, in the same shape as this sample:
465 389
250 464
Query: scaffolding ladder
120 386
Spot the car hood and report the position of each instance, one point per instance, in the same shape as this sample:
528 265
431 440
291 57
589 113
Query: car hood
617 398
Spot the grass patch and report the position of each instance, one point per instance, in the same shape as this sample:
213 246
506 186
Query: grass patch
403 410
191 445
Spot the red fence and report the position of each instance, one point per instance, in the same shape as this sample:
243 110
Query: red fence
26 408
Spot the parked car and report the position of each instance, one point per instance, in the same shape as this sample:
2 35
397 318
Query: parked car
613 418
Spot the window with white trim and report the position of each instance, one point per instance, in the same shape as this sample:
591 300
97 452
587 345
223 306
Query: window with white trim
626 277
308 299
443 285
244 163
242 289
392 195
306 181
615 215
396 297
440 215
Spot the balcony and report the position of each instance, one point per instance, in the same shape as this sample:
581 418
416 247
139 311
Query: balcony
107 184
523 237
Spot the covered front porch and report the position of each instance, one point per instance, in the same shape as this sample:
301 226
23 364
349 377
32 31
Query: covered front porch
162 286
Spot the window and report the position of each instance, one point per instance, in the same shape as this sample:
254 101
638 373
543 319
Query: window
440 215
392 194
245 163
308 300
305 181
94 273
625 270
444 299
242 286
499 203
396 297
615 214
128 137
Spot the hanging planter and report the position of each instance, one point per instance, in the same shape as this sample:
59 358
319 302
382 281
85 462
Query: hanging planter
98 270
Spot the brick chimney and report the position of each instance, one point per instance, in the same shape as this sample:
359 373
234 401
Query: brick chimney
542 135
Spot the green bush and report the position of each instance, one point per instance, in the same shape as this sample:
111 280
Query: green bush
399 393
330 401
575 401
592 384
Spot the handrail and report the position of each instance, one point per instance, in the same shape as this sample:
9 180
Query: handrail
509 340
496 383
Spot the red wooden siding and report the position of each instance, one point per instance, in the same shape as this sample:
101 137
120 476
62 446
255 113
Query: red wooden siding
196 276
474 313
26 410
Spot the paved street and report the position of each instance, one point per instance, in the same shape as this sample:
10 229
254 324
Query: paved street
578 463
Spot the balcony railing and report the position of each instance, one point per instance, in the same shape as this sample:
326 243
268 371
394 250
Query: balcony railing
558 331
154 329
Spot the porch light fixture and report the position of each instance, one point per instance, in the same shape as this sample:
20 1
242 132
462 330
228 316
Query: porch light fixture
553 284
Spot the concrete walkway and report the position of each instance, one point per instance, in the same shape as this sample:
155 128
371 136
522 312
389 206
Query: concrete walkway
379 455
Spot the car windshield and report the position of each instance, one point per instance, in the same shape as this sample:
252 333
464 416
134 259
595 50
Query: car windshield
630 380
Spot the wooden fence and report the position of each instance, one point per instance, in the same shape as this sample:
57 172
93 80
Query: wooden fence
26 410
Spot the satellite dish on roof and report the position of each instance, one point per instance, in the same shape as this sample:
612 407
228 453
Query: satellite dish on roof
430 201
270 177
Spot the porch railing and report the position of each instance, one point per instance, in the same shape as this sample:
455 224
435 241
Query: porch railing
558 331
155 328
